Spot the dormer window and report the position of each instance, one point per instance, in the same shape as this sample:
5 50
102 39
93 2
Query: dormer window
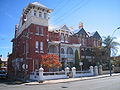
35 12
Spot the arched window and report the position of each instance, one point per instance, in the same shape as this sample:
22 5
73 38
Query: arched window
69 50
52 49
62 51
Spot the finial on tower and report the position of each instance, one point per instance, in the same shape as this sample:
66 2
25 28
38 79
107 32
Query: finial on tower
80 25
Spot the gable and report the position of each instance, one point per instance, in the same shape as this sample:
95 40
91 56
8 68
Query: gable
64 27
81 31
96 35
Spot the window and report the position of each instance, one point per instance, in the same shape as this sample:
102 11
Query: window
69 50
24 49
83 41
27 47
37 46
62 51
62 37
37 64
94 43
66 38
40 14
41 46
35 13
52 49
45 15
39 30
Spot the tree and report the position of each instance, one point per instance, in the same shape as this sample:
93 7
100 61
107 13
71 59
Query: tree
0 62
97 55
116 61
110 46
50 61
77 59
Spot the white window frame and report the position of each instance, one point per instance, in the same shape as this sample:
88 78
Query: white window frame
39 30
45 15
35 13
62 37
40 14
41 47
37 46
66 38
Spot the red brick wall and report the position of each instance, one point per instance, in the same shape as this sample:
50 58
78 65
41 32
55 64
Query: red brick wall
20 42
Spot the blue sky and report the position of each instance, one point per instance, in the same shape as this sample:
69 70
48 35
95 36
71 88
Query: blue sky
97 15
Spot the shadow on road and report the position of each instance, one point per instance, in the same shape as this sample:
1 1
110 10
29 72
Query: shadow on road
10 81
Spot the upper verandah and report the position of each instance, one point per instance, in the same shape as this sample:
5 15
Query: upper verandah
36 5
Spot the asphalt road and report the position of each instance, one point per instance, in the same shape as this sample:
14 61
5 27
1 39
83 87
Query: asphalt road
108 83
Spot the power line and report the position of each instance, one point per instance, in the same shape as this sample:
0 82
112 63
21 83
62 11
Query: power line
63 6
72 8
70 13
57 5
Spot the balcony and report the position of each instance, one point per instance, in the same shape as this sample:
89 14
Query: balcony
67 56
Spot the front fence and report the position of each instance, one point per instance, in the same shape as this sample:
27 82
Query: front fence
41 76
54 75
83 73
48 75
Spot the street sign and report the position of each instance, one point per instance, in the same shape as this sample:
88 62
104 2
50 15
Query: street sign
25 66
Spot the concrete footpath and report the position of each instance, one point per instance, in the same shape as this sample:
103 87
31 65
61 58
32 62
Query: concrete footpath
71 79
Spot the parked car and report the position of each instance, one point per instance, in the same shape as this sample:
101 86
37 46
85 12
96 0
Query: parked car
3 74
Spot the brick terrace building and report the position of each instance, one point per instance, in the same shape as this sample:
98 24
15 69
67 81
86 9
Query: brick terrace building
33 38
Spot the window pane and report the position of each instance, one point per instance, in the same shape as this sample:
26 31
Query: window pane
45 15
41 30
37 30
37 45
40 14
34 13
41 46
62 37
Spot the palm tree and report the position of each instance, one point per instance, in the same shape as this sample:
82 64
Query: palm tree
110 46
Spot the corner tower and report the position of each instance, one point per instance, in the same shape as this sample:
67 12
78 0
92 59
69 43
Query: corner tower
30 40
34 13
